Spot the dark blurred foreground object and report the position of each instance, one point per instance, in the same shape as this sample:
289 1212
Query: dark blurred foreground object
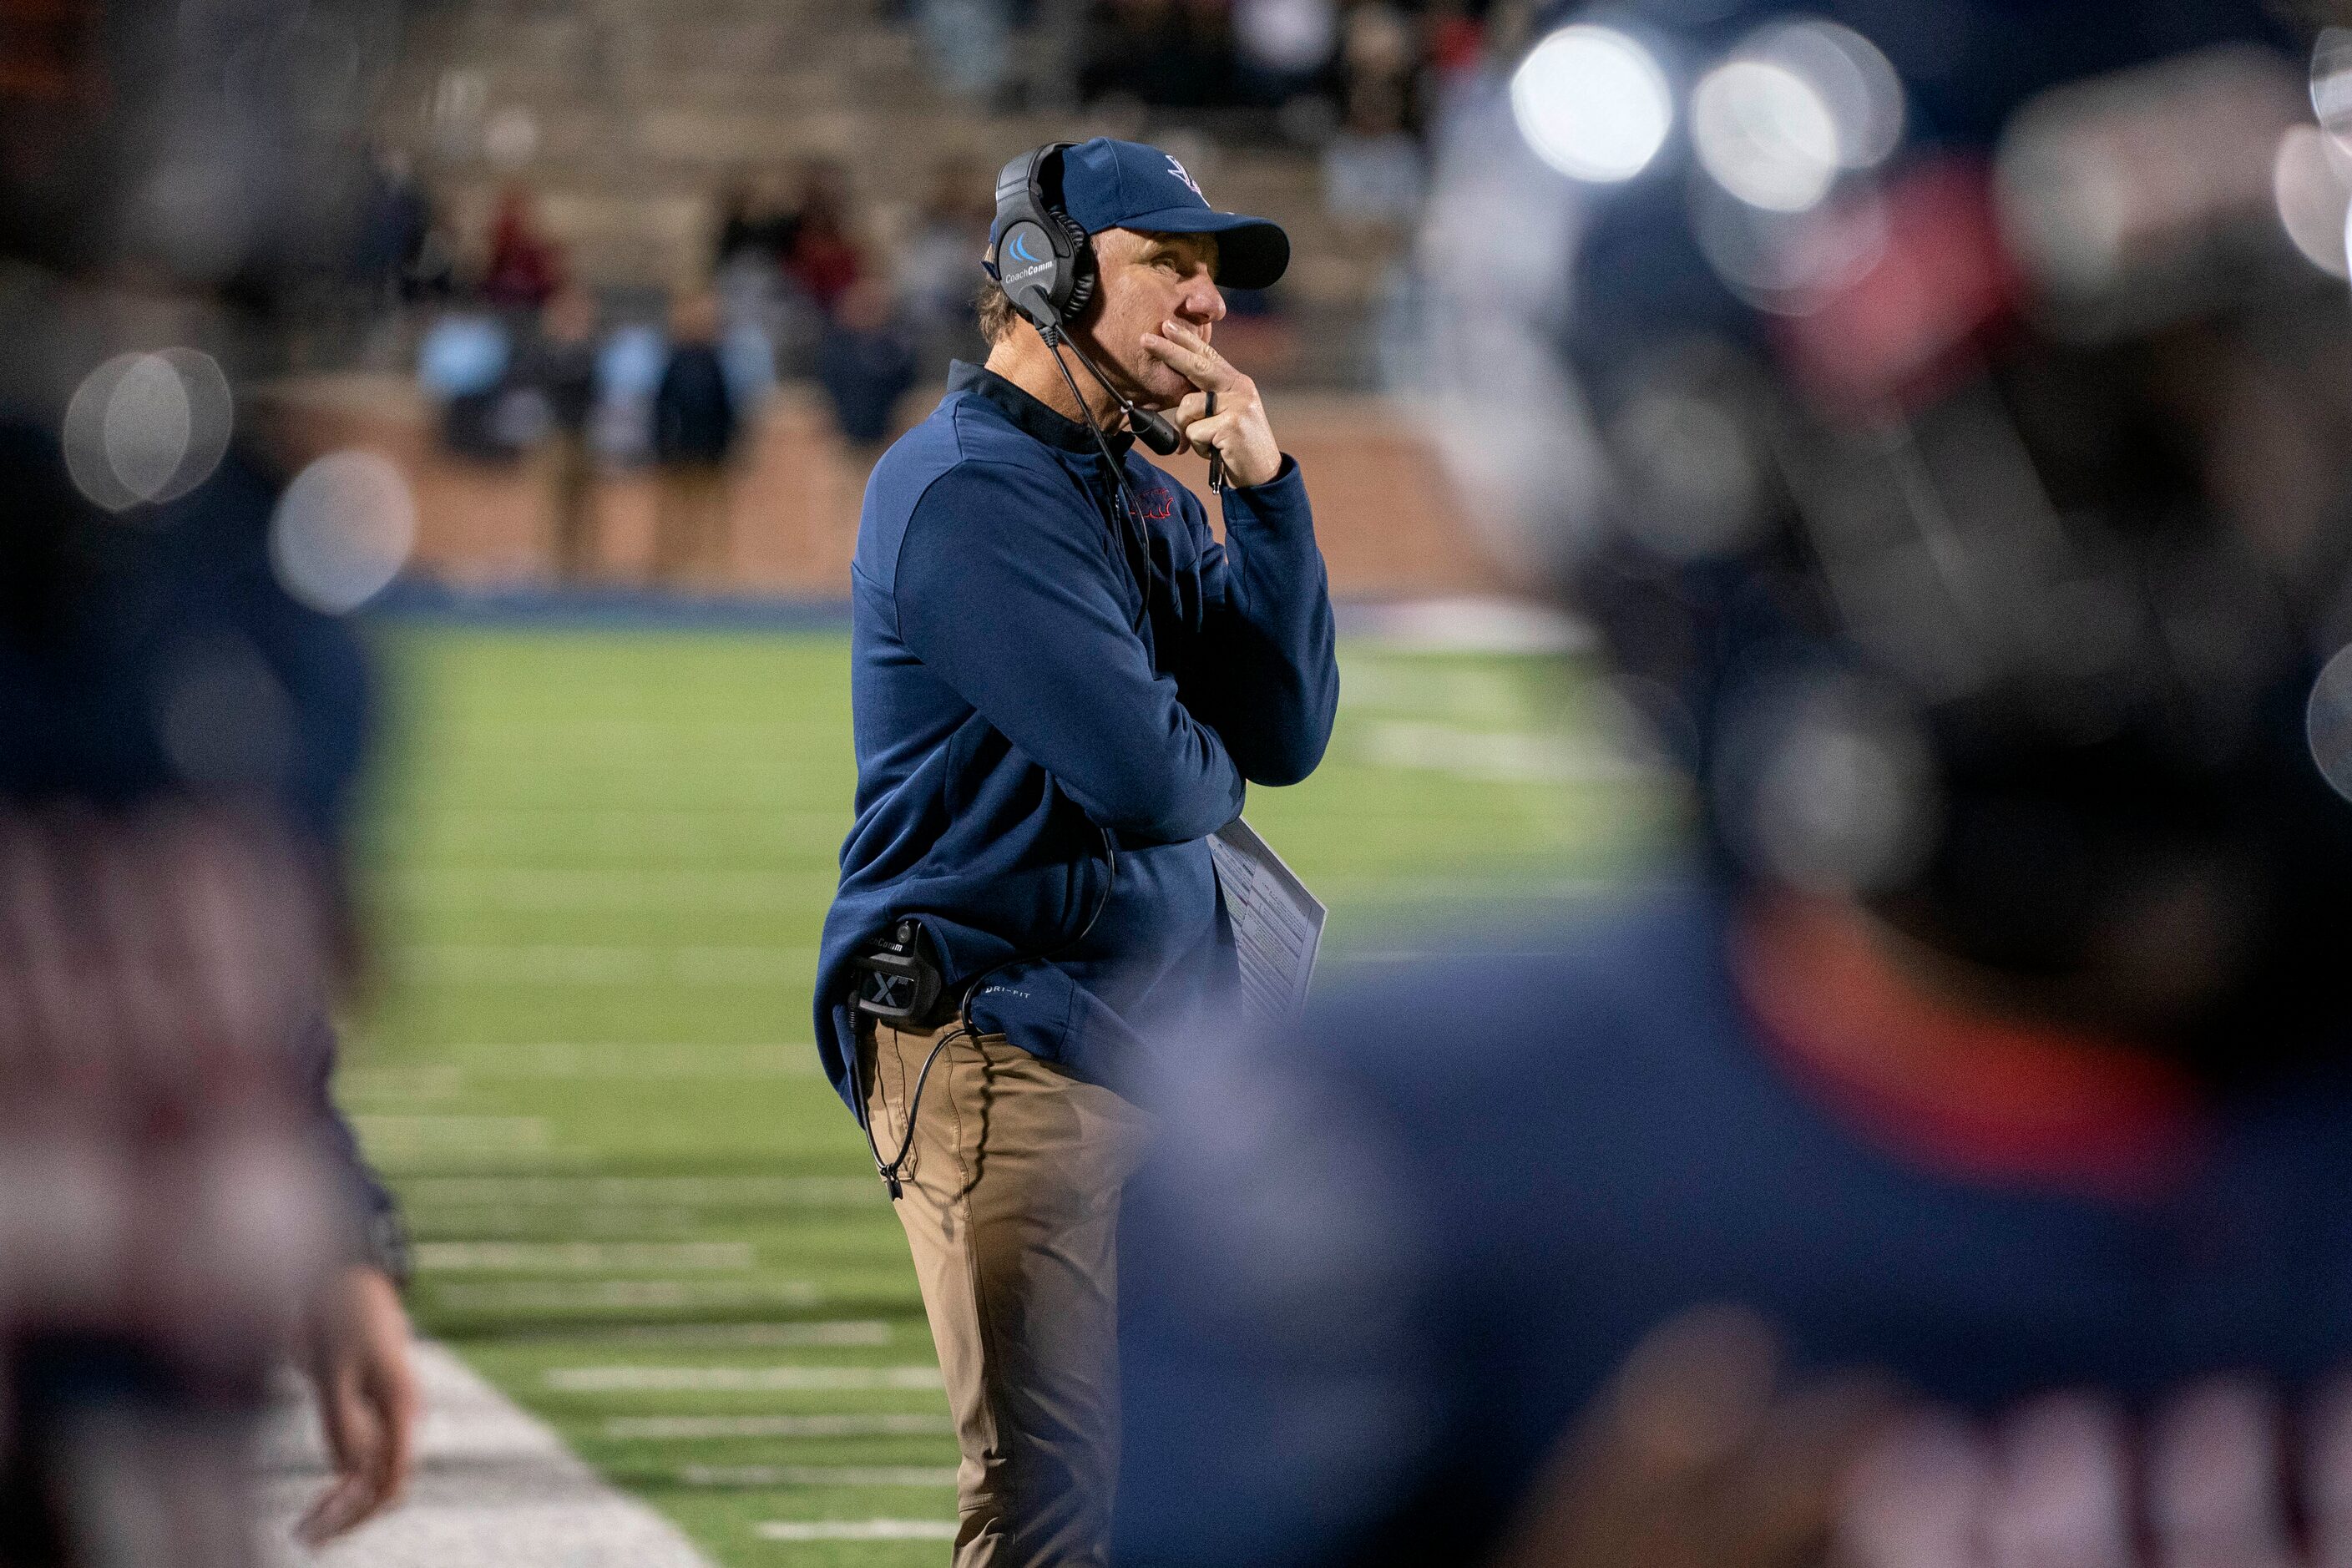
183 1203
1703 1448
181 724
1952 438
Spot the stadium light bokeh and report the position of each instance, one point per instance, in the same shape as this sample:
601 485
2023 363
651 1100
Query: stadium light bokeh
1764 134
1593 103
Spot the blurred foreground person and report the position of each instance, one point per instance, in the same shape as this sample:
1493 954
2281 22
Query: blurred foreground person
181 722
1952 439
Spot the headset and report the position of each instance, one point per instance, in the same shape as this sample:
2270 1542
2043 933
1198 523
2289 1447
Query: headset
1043 262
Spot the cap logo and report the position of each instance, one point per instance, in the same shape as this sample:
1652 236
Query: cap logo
1193 185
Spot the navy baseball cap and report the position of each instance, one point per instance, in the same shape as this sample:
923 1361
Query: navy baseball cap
1127 185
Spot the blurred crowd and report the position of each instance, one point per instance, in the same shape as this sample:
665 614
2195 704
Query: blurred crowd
1363 80
523 354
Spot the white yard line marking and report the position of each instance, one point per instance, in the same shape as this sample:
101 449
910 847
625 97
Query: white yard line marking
862 1333
579 1257
855 1530
736 1379
562 1058
712 1192
816 1475
849 1334
493 1486
493 963
1467 624
393 1136
695 1428
541 890
557 1295
1497 756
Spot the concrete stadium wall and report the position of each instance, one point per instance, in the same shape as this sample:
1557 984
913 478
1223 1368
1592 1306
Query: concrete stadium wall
1390 526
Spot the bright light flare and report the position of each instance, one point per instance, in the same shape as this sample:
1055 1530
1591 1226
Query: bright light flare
342 530
1766 135
2312 203
144 428
1858 86
1593 103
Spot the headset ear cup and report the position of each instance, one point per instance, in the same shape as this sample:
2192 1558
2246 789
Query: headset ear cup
1082 267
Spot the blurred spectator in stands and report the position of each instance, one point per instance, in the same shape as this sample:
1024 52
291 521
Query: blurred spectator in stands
755 221
559 362
462 364
1453 48
867 363
1284 46
1176 54
525 267
1379 57
823 256
694 434
1373 171
394 228
969 43
935 265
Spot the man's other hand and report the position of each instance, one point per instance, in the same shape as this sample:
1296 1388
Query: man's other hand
1704 1453
358 1358
1238 431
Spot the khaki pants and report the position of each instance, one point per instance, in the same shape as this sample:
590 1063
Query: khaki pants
1011 1207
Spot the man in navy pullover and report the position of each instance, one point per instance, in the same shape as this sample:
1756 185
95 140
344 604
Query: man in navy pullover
1062 679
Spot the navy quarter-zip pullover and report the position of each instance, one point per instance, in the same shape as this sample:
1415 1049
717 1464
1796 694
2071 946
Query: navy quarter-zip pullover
1018 695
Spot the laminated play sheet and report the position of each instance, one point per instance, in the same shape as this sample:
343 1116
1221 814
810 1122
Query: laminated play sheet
1277 924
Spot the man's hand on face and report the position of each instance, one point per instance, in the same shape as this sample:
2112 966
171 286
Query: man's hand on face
1238 431
368 1401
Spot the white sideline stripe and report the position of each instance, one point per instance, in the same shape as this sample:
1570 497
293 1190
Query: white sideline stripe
451 963
816 1475
579 1257
557 1295
855 1530
737 1379
694 1428
647 1190
493 1487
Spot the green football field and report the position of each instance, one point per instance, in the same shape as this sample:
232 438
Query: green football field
596 867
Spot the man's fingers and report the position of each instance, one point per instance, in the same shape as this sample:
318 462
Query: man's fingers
1203 433
331 1513
368 1401
343 1419
1194 406
1201 365
398 1406
355 1442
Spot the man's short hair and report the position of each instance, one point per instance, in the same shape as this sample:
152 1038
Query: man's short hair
997 316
